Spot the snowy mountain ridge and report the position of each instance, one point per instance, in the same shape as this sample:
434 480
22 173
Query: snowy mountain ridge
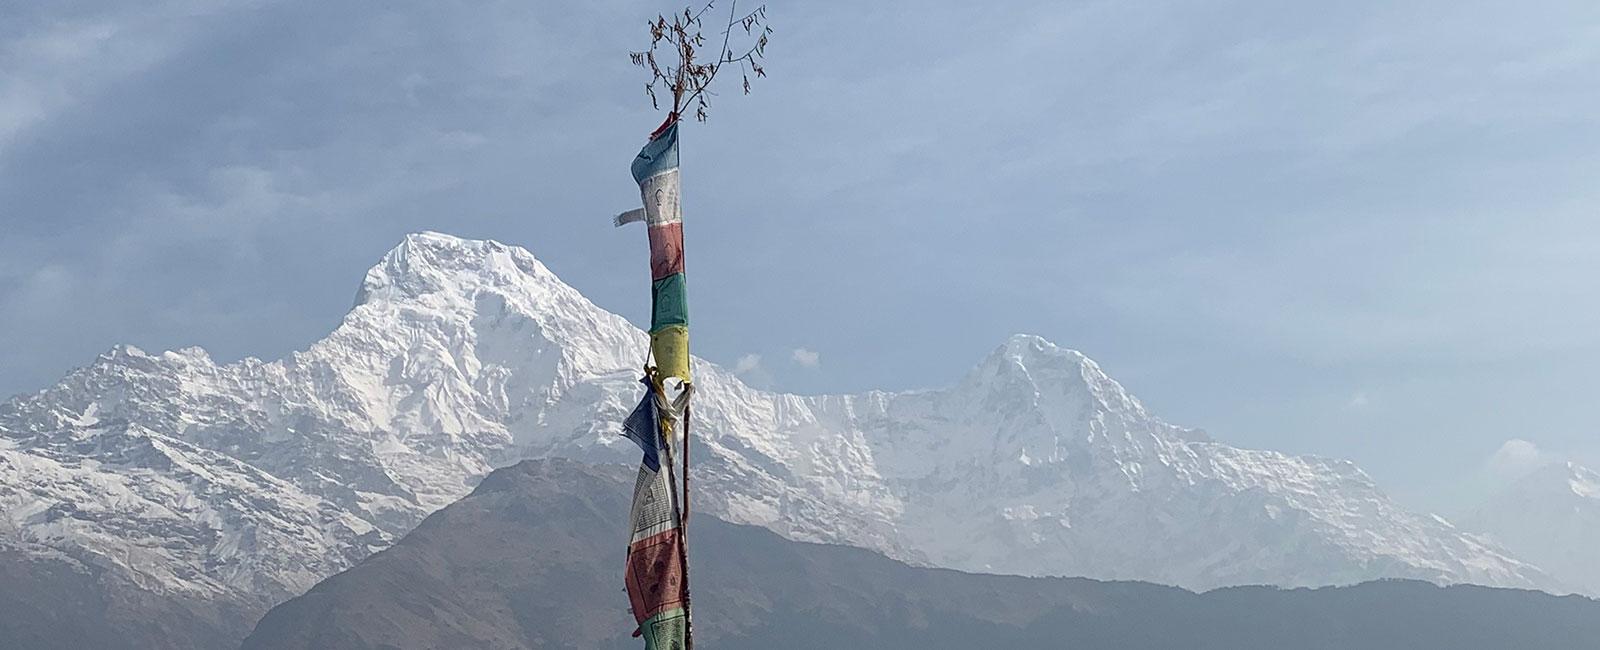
1552 517
252 480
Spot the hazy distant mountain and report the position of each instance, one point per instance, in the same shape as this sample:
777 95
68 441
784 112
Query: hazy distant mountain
243 484
1552 518
530 560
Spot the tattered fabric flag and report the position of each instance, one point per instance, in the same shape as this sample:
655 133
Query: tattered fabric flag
655 562
643 427
657 575
656 171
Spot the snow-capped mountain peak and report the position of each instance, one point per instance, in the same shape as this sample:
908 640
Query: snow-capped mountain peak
478 290
1552 518
255 478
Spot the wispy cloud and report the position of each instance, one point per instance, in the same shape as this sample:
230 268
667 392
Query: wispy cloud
806 358
1517 458
68 62
747 364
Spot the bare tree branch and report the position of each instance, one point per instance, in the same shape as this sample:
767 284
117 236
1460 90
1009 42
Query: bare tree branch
680 71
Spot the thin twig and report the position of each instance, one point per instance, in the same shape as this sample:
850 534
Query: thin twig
715 68
685 77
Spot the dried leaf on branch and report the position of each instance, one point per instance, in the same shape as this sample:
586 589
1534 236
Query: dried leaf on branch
677 59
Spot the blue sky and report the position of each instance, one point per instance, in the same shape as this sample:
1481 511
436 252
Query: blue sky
1362 229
